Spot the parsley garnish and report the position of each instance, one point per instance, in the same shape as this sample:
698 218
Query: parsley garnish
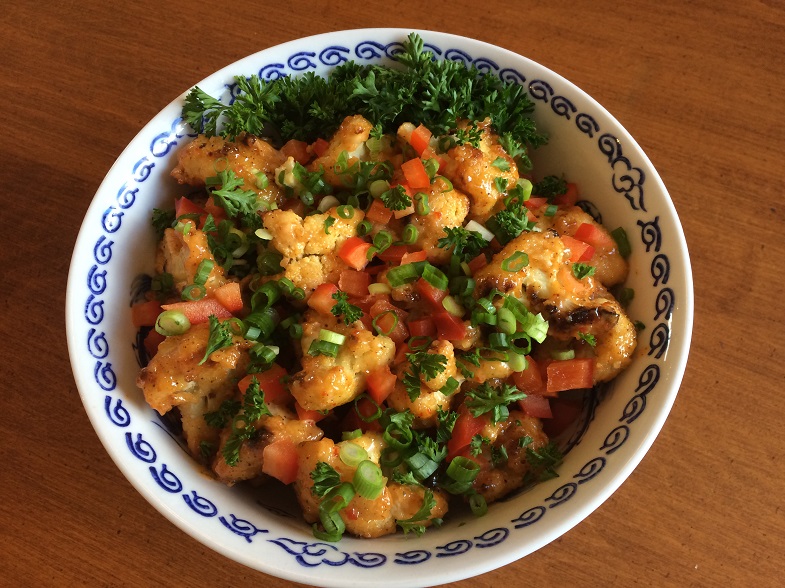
470 135
513 219
396 198
427 365
486 398
243 427
549 187
582 270
325 478
500 184
220 337
501 164
328 222
234 200
218 419
406 479
544 460
445 424
466 244
350 312
162 220
416 523
588 338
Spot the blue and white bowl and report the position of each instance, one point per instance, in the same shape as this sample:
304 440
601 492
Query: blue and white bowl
116 244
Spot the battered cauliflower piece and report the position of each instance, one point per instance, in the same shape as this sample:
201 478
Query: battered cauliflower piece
449 208
493 483
326 382
309 251
180 255
247 155
363 517
611 267
350 137
282 425
174 378
471 170
425 406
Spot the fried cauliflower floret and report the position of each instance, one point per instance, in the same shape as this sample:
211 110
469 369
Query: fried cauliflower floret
363 517
326 382
610 267
180 255
471 170
493 483
246 156
312 270
430 400
571 306
350 137
174 378
283 425
449 208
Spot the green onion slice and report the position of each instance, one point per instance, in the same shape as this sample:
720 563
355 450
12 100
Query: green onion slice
463 469
327 348
379 330
368 480
203 271
331 337
435 277
267 295
620 236
506 321
421 205
516 262
172 322
194 292
375 416
364 227
346 211
352 454
410 234
478 505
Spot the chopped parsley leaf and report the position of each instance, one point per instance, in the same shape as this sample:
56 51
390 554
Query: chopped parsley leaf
416 523
396 198
220 337
466 244
325 478
485 398
343 307
582 270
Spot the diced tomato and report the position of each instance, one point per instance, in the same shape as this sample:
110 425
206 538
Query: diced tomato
570 374
378 212
186 206
415 174
144 314
151 342
478 263
382 304
354 251
564 413
422 327
296 149
569 198
322 300
308 415
218 212
430 294
466 427
400 353
594 235
352 420
319 147
536 406
413 257
387 324
354 283
579 251
449 327
229 296
530 380
280 460
535 203
199 311
420 138
270 383
394 253
380 382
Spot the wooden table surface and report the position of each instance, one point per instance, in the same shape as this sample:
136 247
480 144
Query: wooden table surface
700 85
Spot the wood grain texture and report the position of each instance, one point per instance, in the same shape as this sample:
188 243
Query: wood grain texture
700 85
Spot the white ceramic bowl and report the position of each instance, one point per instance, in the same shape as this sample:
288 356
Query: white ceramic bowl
587 144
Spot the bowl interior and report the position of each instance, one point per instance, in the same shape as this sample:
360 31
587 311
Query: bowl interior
116 245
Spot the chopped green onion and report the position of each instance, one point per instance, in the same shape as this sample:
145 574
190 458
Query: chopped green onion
379 288
307 198
550 210
346 211
620 236
267 295
172 322
410 234
296 331
516 262
452 306
370 418
463 469
526 187
517 361
265 320
398 438
564 354
352 454
364 227
431 167
415 345
349 435
498 341
331 337
462 286
263 234
203 271
450 386
382 240
626 295
264 353
478 505
327 348
421 205
286 286
476 227
371 253
435 277
520 343
327 203
252 333
421 465
337 498
368 480
261 180
378 187
379 330
269 263
298 294
403 274
506 322
487 305
194 292
483 318
391 458
448 182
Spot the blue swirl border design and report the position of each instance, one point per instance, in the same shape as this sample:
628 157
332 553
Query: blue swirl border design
627 180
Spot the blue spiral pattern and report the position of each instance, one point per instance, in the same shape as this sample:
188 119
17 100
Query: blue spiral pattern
626 178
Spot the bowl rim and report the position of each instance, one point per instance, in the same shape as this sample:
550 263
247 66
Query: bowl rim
433 575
